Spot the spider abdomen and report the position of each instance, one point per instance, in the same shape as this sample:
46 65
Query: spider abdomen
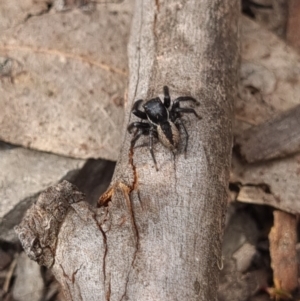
168 134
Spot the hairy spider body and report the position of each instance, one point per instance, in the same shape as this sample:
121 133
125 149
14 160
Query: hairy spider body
158 116
162 122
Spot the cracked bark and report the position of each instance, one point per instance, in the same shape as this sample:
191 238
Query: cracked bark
157 235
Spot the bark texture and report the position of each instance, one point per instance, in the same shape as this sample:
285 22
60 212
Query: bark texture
157 234
178 213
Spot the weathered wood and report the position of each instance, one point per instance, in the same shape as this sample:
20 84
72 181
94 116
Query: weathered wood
178 212
62 232
283 240
160 232
275 138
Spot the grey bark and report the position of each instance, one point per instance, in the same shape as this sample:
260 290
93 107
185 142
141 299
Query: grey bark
156 235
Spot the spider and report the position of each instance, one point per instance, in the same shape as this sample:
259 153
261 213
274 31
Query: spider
162 122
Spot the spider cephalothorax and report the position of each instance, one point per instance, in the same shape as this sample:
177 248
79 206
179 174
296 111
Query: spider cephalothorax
161 122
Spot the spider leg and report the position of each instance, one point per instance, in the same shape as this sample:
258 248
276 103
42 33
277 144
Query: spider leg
143 129
167 99
152 133
177 101
186 110
138 125
138 134
186 136
138 112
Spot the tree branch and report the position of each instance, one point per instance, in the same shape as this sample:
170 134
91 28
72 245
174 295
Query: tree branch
158 234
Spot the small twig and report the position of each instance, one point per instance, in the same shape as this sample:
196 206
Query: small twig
9 275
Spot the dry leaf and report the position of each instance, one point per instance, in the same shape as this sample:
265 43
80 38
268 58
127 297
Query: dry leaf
61 80
270 84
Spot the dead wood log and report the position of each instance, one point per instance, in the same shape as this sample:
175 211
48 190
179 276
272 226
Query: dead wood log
157 234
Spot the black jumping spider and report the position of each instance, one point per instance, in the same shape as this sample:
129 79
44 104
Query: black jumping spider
162 123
